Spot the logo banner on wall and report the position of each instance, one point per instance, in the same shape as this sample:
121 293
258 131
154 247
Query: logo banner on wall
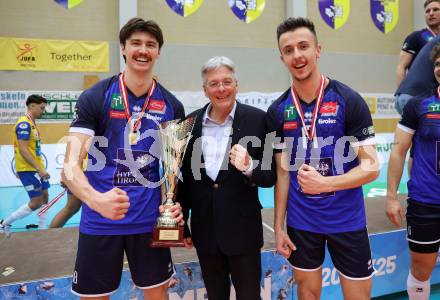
247 10
60 105
334 12
184 8
53 55
68 3
385 14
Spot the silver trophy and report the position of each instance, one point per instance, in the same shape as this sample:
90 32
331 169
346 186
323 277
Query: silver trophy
174 136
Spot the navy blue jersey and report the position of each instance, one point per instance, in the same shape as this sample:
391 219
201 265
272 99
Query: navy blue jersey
420 77
421 117
344 121
415 42
113 162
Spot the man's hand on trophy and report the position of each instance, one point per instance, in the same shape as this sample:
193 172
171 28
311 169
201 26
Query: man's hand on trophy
240 158
113 204
176 212
188 243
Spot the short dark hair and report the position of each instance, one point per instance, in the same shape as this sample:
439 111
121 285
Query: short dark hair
35 99
427 2
140 25
291 24
435 52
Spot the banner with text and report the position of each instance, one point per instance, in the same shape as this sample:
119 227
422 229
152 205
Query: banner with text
53 55
62 103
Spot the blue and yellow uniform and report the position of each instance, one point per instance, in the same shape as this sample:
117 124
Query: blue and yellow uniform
25 129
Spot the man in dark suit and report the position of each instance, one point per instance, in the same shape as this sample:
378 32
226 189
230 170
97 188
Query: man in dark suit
220 186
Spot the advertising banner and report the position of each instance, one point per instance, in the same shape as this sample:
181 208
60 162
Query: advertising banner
62 103
60 106
22 54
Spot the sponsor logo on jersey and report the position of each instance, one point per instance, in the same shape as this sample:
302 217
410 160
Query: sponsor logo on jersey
329 109
23 125
290 125
368 130
326 121
156 106
290 113
434 107
117 102
114 114
433 116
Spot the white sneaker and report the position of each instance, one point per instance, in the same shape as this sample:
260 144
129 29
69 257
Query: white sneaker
5 228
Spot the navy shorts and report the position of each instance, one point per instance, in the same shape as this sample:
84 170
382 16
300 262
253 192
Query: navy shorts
423 226
350 252
32 183
99 263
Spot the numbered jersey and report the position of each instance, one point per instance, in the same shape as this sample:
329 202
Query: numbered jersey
115 162
25 130
421 117
343 121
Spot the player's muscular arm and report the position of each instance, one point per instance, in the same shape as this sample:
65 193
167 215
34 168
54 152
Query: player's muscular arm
312 182
405 59
283 243
112 204
402 142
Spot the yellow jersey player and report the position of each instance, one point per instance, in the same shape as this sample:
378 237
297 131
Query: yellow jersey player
29 162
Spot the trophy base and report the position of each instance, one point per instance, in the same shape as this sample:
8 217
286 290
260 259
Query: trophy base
165 237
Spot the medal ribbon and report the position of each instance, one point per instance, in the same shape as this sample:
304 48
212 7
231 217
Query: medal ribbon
295 99
33 123
124 96
432 32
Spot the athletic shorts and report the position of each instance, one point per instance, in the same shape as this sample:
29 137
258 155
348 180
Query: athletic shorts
350 252
423 226
400 101
99 263
33 184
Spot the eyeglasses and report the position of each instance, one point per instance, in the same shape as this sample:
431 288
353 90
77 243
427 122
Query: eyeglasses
217 84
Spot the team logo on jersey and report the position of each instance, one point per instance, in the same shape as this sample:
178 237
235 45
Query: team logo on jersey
324 166
290 125
156 106
329 109
290 113
131 166
434 107
334 12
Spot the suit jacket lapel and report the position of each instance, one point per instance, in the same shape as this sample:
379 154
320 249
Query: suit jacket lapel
197 133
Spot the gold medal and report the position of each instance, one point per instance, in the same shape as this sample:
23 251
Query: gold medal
133 138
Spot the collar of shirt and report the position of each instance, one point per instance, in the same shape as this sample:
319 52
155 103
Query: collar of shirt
207 120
